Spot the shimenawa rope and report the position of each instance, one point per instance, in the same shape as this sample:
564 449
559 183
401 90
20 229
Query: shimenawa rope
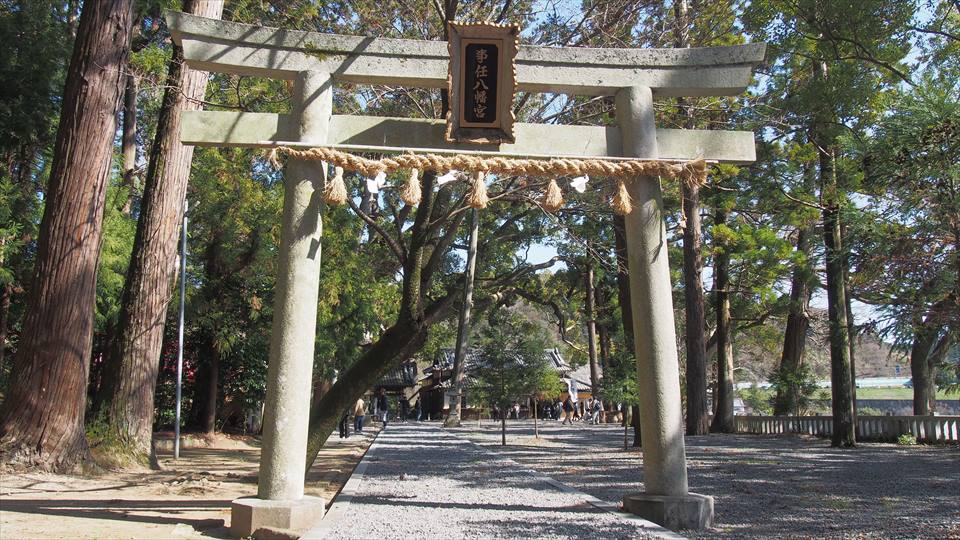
692 172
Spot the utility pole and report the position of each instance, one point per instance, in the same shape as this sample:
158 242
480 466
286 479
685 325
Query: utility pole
183 293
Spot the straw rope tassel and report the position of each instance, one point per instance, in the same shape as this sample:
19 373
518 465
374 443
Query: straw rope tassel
478 191
621 199
273 157
411 193
336 192
552 197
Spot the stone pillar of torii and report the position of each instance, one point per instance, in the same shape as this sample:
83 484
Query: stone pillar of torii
315 62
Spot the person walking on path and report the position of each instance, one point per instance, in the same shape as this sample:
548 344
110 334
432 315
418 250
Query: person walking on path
382 407
344 429
359 410
595 410
568 410
404 409
419 409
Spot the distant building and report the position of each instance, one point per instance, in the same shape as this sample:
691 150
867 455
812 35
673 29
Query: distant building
436 381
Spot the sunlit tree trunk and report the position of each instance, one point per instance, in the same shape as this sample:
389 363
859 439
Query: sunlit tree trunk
127 398
723 418
840 376
42 420
798 323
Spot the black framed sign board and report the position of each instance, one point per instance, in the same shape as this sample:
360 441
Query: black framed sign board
481 83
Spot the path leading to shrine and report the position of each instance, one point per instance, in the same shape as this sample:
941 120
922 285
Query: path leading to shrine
419 481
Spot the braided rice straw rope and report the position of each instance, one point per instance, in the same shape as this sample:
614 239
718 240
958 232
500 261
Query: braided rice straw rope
691 172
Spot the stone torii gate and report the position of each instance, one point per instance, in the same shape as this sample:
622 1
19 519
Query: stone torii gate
315 62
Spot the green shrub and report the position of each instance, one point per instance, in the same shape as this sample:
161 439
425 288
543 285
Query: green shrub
907 439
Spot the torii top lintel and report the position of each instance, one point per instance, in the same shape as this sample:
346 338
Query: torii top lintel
228 47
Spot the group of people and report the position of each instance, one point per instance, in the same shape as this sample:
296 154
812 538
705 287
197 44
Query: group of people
381 411
569 411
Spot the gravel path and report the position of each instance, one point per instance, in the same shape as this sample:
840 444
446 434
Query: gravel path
764 487
419 481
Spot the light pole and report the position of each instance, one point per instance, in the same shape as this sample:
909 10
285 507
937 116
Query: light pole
183 292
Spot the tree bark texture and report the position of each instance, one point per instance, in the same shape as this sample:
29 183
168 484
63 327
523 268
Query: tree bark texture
698 413
42 420
401 341
623 279
928 350
851 327
798 323
844 433
128 138
626 313
723 417
135 355
592 331
635 420
463 324
6 294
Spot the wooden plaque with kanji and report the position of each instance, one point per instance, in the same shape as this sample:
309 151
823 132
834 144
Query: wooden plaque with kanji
481 83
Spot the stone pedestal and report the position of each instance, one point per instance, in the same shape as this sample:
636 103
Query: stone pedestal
249 514
675 512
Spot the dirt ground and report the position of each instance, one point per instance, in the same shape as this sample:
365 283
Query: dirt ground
189 498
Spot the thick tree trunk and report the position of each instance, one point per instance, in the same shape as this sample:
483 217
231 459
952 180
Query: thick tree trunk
844 433
623 280
6 293
128 139
463 324
400 341
208 416
135 355
723 418
798 323
592 332
851 334
42 419
626 312
698 413
920 370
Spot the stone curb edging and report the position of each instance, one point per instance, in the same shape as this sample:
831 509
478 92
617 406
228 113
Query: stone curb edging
646 526
342 500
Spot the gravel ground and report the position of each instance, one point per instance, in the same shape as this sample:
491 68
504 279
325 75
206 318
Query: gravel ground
764 486
422 482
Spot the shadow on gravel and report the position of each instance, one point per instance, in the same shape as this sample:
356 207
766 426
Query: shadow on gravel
766 486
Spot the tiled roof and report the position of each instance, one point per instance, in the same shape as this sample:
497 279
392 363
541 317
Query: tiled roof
403 375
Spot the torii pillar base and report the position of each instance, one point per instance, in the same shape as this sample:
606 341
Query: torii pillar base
675 512
250 514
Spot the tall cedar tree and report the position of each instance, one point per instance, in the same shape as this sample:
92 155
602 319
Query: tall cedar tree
723 401
126 399
698 413
802 281
42 419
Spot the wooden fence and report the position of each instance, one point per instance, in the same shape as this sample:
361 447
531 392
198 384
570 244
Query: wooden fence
882 428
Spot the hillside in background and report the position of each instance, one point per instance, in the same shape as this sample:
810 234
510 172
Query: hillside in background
758 351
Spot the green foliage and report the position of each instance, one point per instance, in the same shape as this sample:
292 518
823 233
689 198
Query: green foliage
905 263
118 233
907 439
510 364
799 382
757 399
